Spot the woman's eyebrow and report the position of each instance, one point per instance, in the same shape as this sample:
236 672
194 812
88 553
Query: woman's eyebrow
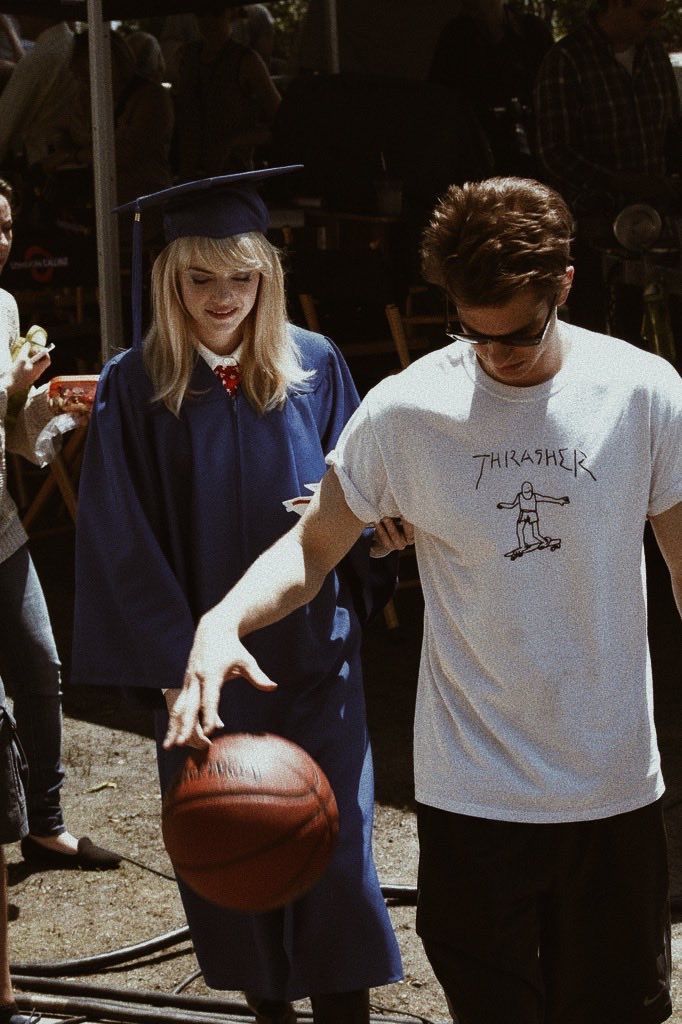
199 270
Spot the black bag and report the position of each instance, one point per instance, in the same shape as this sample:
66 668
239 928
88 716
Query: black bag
13 781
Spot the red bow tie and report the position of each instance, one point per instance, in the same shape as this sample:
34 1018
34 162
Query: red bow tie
230 377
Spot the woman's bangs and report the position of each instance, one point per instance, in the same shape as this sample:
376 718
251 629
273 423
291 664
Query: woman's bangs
220 255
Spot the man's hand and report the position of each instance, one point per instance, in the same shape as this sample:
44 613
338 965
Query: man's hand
217 655
197 738
391 535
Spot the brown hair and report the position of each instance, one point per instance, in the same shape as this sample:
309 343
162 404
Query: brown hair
487 239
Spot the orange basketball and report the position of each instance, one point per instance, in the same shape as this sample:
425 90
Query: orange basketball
251 822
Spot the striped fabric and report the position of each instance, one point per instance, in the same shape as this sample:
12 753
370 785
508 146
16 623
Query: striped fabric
595 118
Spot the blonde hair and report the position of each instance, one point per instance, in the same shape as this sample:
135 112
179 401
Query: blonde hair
269 362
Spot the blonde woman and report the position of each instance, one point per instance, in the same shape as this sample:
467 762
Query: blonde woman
204 443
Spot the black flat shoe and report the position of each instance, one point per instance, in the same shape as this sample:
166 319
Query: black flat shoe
88 858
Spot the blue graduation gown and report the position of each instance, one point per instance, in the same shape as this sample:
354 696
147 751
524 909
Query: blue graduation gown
172 510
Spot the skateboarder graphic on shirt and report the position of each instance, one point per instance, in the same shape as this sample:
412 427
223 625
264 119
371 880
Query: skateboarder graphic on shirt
527 500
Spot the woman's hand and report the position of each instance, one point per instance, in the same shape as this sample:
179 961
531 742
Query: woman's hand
217 655
25 371
391 535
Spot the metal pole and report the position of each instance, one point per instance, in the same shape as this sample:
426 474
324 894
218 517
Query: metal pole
332 36
104 163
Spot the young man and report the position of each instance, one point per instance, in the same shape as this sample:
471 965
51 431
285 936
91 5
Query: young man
542 882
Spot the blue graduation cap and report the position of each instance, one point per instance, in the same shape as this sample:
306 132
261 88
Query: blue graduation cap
211 207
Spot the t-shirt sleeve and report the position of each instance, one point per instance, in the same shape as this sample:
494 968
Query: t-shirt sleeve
666 443
360 467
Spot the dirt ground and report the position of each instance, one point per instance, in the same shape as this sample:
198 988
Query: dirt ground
112 795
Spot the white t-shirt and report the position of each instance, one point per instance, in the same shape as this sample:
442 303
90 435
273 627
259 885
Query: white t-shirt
535 694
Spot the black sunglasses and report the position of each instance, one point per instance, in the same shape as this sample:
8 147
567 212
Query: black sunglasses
454 330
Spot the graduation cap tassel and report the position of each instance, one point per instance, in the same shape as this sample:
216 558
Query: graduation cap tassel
136 280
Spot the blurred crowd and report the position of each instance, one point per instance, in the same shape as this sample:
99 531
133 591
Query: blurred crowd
196 100
596 114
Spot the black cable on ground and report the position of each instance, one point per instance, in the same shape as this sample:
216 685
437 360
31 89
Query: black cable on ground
119 1012
111 1010
79 998
148 997
403 895
186 982
97 963
152 871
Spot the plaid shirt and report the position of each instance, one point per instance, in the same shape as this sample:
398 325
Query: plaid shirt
595 118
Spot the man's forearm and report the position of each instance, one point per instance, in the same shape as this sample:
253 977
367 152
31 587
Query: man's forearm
281 580
286 576
290 573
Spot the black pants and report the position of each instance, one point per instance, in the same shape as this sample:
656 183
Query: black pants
547 924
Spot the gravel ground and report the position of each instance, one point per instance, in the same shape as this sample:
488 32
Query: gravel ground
112 795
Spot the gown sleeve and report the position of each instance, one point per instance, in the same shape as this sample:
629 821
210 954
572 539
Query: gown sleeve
133 626
372 581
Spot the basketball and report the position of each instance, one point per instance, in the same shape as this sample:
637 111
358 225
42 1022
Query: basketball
251 822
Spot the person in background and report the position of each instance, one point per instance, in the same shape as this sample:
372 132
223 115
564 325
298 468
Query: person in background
543 879
143 125
39 93
203 442
226 100
490 54
608 118
146 50
255 28
11 47
29 662
177 31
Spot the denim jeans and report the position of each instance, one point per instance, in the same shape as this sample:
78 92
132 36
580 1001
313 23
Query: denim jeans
30 670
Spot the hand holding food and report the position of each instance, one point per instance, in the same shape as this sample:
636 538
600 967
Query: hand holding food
33 347
30 359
